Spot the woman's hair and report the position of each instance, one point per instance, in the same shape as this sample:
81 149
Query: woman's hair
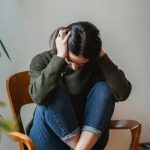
84 40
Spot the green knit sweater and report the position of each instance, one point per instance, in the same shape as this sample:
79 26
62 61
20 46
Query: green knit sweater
48 71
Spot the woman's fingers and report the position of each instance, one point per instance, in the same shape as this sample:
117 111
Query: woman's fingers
61 43
67 36
63 34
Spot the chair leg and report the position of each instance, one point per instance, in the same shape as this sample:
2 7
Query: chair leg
21 145
135 137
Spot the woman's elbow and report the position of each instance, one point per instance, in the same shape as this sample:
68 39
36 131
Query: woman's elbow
126 92
36 98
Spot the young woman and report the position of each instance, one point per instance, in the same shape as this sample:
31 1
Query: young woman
75 86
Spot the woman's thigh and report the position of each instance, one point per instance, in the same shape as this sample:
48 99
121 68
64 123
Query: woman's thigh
55 123
60 115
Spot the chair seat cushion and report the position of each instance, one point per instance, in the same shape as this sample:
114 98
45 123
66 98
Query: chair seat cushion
26 114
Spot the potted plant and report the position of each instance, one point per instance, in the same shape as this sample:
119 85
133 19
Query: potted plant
5 124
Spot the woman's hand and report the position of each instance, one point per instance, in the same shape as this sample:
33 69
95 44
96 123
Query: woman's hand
102 53
61 43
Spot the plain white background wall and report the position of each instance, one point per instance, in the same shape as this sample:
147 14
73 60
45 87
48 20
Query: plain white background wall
25 27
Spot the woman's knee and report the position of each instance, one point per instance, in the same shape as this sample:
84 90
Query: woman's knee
101 89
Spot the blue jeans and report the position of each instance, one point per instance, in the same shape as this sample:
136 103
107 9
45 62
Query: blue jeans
59 121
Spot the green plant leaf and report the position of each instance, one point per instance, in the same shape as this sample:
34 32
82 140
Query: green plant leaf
2 104
7 125
3 47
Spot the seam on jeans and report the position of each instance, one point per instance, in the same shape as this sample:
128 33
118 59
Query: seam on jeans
104 122
56 119
63 130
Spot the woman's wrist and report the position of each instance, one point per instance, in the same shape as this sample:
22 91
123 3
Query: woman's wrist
102 53
61 55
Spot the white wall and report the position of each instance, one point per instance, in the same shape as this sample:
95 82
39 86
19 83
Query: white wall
25 27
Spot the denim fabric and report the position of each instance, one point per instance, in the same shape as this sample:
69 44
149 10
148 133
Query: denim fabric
57 122
99 108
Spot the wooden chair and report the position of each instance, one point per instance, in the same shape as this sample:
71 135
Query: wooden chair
17 89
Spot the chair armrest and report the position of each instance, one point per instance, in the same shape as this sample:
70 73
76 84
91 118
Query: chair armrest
135 128
124 124
22 139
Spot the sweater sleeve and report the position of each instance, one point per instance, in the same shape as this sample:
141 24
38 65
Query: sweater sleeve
44 79
116 78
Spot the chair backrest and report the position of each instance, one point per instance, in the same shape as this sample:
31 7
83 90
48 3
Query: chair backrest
17 89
